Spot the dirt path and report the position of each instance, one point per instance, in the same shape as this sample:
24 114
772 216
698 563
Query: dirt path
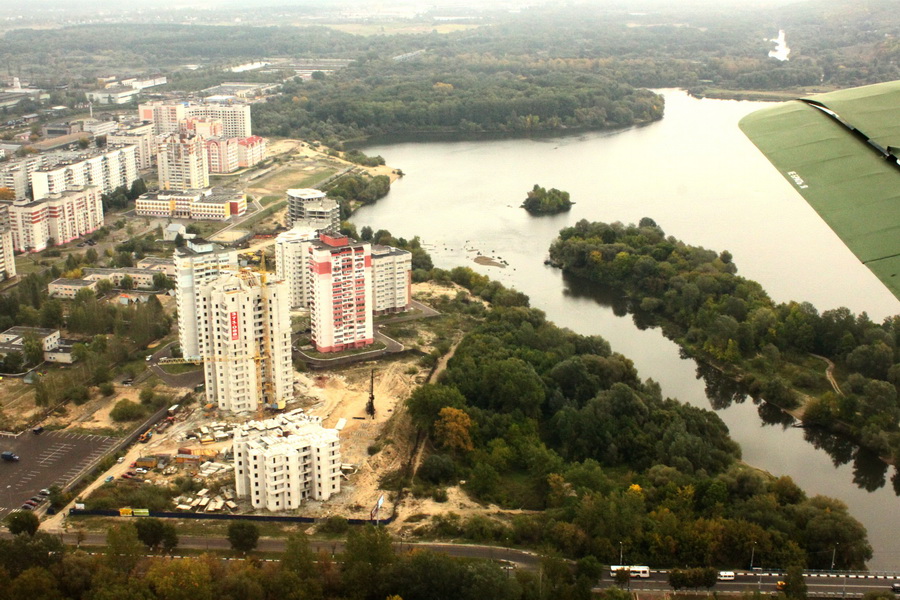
829 374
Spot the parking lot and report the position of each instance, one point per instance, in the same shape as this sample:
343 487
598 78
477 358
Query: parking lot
51 458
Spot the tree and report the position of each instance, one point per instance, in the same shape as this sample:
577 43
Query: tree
298 557
368 557
452 430
243 536
149 531
123 548
795 585
169 538
161 281
179 240
36 583
34 350
127 283
22 521
183 579
427 401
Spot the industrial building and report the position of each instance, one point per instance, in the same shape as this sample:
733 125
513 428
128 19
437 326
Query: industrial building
280 463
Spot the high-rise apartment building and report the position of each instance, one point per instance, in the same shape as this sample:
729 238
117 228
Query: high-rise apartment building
245 341
142 137
61 217
291 262
106 169
7 254
222 155
197 263
391 280
340 272
181 162
279 463
251 151
165 116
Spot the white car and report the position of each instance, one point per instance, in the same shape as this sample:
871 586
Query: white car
141 470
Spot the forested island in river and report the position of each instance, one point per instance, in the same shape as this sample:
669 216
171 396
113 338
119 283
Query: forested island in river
842 371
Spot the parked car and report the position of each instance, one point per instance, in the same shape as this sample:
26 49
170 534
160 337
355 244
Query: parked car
126 476
895 587
31 503
44 492
10 456
780 586
109 478
141 470
37 430
38 499
27 507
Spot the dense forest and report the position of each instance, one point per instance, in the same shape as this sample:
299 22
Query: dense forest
774 350
540 201
537 417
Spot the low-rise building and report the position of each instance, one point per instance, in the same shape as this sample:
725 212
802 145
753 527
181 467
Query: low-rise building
113 95
68 288
280 463
210 204
55 348
155 263
142 279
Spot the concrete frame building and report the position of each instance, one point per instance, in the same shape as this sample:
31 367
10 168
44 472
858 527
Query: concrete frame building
313 206
340 304
105 169
391 280
63 217
69 288
182 162
245 341
291 262
280 463
196 264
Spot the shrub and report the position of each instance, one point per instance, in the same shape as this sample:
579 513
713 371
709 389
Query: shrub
335 524
437 468
107 389
126 410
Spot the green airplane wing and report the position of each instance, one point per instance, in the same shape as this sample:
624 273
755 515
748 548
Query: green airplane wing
840 150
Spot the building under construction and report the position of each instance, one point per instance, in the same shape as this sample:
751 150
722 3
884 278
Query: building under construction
246 345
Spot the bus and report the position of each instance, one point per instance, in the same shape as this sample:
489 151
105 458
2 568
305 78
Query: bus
635 571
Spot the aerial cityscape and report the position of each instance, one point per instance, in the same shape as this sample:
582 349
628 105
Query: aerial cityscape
468 300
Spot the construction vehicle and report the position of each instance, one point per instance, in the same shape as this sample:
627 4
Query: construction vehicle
145 437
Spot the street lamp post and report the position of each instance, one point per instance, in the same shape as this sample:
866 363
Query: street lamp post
752 555
833 555
620 553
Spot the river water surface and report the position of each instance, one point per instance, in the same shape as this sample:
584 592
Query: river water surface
702 181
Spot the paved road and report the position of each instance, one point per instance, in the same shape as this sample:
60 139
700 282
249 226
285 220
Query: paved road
819 584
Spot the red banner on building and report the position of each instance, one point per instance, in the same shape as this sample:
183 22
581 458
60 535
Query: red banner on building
235 331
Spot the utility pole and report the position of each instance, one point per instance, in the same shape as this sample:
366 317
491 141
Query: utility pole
620 553
833 555
752 554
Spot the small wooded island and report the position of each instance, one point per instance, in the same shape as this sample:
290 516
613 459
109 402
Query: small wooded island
541 201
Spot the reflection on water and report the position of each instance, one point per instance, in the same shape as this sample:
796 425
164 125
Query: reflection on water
869 471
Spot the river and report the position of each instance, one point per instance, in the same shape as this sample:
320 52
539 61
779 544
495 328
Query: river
702 181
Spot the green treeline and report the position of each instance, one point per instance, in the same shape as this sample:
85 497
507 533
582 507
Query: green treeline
36 565
452 94
540 201
718 316
535 416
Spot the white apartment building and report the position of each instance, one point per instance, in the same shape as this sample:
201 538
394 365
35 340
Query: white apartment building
291 262
105 169
280 463
391 280
7 254
63 217
142 137
245 341
312 205
340 285
196 264
181 162
167 116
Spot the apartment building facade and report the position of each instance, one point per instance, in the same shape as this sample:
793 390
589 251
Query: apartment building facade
142 137
63 217
197 263
391 280
291 262
281 463
106 169
167 116
182 162
340 286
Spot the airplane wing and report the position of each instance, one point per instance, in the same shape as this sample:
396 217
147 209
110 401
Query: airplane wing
841 151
